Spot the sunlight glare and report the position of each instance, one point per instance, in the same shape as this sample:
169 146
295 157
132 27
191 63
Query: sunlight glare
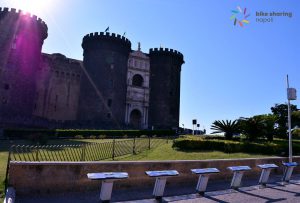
35 7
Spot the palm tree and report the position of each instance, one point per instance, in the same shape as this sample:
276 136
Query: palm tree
227 127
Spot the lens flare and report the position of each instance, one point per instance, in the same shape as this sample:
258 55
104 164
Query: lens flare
31 6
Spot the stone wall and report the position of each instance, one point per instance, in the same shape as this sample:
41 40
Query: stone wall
58 87
61 177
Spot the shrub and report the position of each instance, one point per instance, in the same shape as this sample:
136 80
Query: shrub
38 139
93 137
72 133
143 136
21 133
228 146
102 136
296 134
79 137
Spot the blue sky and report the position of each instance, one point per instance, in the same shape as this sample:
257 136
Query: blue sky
229 71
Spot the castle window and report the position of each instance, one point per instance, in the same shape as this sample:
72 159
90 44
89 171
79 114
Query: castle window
4 100
111 83
108 115
6 86
56 99
14 45
137 80
109 102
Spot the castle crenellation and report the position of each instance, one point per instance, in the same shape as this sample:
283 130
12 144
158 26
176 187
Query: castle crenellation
20 12
113 86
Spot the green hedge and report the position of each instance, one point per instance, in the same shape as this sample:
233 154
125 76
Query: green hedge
269 148
296 134
71 133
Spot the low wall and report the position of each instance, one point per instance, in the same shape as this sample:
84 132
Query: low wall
60 177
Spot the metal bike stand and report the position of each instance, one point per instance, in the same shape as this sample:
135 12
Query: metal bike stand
238 172
265 173
288 170
108 179
160 182
203 178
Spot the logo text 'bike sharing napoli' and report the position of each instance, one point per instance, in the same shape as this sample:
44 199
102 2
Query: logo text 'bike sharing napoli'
240 16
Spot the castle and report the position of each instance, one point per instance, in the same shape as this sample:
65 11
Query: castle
113 87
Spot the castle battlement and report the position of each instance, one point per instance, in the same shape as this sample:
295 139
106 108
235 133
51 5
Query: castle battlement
106 36
14 13
166 51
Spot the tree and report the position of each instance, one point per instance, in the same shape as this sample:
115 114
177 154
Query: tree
269 121
281 111
251 127
227 127
295 119
258 126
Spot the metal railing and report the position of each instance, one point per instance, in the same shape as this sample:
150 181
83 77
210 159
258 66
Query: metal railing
84 152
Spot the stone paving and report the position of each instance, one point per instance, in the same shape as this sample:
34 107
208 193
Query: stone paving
217 192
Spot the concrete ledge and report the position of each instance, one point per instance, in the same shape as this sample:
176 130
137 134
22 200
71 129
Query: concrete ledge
60 177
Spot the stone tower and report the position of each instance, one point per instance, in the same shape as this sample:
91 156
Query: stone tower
165 67
21 40
103 86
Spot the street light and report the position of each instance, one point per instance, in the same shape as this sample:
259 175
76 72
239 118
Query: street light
291 95
194 121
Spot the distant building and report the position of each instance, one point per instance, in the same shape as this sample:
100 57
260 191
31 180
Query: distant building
113 86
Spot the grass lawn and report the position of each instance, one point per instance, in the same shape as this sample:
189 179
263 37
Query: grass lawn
166 152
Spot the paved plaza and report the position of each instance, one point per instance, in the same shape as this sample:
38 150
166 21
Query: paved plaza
217 192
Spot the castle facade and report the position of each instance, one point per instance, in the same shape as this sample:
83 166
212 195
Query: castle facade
113 87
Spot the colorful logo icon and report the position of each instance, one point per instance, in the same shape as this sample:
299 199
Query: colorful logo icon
240 16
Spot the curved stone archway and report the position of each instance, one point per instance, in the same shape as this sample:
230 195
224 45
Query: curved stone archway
137 80
136 118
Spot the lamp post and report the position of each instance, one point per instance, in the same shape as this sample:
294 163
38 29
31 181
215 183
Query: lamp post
194 121
291 95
